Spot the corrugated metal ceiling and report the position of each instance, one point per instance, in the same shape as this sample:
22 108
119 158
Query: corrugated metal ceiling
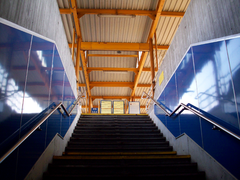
127 30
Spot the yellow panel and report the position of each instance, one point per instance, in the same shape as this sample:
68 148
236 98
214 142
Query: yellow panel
118 107
161 77
106 107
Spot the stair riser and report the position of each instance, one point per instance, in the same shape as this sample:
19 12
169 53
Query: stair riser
116 143
116 136
115 125
109 140
116 128
116 147
123 170
115 132
115 122
110 162
130 149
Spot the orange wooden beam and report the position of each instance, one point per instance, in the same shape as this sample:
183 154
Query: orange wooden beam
115 97
78 61
84 66
89 69
152 63
75 16
155 22
116 84
101 46
140 68
73 42
151 14
96 106
112 55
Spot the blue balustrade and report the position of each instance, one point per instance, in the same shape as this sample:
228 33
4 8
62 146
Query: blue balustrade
32 78
207 78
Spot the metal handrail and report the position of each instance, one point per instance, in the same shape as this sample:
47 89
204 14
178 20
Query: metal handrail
185 107
21 140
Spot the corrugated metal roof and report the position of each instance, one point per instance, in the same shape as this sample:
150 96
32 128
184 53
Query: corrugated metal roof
111 91
127 30
118 4
112 29
111 77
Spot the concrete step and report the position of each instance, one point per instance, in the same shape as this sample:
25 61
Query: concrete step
117 135
120 153
118 148
178 176
116 128
121 131
122 139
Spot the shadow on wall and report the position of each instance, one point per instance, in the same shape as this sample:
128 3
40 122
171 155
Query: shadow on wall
32 77
207 77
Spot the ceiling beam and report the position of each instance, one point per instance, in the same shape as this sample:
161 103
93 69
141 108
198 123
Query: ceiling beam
101 46
110 97
90 69
155 22
114 46
122 12
111 69
96 106
172 14
112 55
116 84
140 68
115 97
84 67
76 20
78 60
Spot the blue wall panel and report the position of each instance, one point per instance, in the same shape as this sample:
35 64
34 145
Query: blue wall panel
233 46
207 78
32 77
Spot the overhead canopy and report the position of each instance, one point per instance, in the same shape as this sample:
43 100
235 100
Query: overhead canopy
112 44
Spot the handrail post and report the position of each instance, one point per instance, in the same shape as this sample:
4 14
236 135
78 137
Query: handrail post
21 140
185 107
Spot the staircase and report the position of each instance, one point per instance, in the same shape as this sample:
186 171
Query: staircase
118 146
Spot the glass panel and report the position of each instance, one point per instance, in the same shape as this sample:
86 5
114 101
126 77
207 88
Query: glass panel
35 101
14 52
67 101
187 93
215 92
171 101
159 112
56 96
39 79
233 47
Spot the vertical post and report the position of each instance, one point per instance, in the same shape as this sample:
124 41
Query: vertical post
73 43
125 106
155 37
90 104
87 58
99 106
78 60
152 63
86 107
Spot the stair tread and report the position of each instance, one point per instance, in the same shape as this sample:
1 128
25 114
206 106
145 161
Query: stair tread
129 175
124 157
120 146
122 153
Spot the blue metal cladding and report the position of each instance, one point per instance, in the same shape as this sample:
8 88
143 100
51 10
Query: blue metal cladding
207 78
32 77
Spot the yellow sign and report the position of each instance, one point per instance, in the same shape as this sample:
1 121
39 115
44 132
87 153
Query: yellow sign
106 107
118 107
161 77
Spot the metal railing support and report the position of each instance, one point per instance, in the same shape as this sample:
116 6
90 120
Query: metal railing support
185 107
22 139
